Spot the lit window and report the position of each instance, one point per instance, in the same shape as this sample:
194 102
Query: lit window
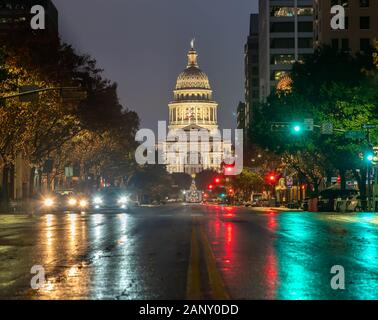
277 11
308 11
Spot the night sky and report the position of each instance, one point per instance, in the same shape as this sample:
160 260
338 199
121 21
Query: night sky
142 45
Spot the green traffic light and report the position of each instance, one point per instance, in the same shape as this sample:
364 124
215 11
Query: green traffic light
297 129
369 157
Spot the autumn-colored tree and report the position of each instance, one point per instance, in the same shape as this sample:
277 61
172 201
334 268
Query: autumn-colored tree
47 127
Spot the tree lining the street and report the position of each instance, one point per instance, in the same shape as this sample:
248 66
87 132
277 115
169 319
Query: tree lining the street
329 87
247 182
151 183
46 128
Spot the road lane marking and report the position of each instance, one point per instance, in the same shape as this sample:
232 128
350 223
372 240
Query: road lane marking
193 287
218 288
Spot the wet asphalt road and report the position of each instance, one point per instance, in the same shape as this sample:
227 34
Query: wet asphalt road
189 252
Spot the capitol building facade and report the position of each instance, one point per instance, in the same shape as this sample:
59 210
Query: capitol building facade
193 112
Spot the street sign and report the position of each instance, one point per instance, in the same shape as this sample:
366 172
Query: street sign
369 126
73 94
356 135
308 124
327 128
280 126
375 159
289 182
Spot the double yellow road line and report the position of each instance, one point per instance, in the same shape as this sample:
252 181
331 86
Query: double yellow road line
197 281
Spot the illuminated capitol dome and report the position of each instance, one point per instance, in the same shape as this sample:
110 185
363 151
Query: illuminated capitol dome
193 96
191 110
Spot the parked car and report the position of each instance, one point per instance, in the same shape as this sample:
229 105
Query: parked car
351 204
329 198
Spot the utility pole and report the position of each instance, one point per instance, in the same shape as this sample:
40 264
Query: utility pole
368 174
370 168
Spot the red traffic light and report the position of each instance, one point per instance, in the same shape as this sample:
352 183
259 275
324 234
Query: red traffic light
271 178
228 169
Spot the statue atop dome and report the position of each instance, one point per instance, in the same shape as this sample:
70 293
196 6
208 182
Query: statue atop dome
192 57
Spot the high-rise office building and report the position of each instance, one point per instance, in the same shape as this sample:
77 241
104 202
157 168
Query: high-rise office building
285 36
361 24
251 54
15 18
240 116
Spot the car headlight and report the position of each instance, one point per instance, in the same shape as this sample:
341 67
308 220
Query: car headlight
83 203
48 202
122 200
97 200
72 202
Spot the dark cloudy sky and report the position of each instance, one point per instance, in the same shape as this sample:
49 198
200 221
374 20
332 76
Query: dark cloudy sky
142 45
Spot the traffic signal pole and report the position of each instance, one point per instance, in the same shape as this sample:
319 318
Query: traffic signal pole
369 166
297 128
31 92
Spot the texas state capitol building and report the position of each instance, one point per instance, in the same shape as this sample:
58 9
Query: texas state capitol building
194 109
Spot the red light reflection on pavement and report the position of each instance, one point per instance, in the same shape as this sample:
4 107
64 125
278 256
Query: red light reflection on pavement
270 269
271 274
228 257
272 223
229 212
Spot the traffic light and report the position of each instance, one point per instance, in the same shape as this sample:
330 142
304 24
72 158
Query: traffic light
296 128
369 156
228 169
271 178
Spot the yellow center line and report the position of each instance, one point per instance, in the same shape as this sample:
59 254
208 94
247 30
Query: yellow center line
193 285
195 289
